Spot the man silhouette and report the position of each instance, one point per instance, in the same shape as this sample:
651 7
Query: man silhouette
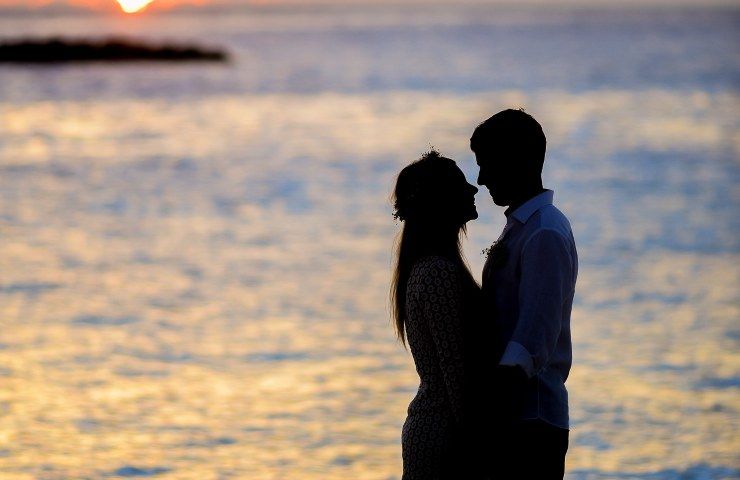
528 284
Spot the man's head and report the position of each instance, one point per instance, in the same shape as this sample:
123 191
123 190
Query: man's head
509 148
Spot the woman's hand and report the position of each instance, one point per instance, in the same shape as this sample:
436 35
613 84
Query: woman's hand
509 387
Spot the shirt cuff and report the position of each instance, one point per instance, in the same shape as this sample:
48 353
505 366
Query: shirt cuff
515 354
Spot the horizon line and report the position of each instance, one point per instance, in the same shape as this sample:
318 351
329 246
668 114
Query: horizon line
282 6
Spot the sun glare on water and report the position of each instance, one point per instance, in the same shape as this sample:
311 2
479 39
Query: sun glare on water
133 6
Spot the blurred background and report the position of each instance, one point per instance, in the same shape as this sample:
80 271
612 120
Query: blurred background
195 258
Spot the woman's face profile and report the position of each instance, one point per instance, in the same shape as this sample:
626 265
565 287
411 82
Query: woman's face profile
461 196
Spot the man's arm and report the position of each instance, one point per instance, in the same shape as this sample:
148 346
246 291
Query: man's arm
545 284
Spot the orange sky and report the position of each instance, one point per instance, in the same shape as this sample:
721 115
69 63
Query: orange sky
92 4
108 4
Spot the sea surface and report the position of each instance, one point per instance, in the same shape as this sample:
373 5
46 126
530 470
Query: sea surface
195 258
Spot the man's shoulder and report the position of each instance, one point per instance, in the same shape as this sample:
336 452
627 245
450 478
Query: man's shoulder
549 218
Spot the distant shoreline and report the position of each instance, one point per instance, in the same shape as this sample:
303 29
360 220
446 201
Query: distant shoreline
115 50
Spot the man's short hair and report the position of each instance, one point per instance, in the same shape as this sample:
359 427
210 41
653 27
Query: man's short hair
514 130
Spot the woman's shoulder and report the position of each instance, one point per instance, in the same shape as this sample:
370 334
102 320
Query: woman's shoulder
435 266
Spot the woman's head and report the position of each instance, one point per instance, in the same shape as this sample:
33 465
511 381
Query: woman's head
433 192
434 201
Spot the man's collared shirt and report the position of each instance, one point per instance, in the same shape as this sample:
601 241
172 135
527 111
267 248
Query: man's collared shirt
529 293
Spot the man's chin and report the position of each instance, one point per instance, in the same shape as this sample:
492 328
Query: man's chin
501 202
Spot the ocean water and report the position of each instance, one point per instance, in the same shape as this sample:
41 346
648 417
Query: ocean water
195 259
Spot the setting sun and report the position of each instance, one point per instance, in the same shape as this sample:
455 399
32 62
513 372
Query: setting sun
132 6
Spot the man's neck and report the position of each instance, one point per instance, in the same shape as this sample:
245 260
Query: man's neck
524 198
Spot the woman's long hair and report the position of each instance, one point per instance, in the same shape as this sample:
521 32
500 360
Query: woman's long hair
423 202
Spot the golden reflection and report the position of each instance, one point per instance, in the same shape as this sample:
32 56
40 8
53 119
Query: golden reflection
170 309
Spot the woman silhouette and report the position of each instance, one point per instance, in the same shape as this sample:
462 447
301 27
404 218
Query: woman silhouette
434 303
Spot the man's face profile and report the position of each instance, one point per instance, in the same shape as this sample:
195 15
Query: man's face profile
496 173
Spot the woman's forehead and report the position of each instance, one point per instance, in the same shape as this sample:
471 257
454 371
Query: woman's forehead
453 169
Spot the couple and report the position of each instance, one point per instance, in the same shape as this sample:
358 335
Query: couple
492 360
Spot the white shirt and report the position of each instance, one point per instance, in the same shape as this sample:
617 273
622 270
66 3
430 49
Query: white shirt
528 293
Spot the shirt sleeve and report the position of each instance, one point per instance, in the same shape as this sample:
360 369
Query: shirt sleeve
545 284
443 309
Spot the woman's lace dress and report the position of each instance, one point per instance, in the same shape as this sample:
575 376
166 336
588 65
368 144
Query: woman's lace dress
437 314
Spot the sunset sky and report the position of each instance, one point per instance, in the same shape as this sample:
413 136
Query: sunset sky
107 4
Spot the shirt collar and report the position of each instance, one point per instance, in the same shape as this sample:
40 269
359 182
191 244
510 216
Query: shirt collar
525 210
